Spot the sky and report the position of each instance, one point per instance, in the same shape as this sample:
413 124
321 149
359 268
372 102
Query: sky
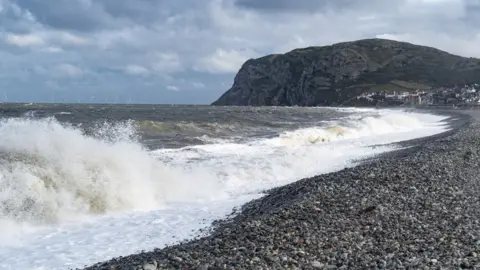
188 51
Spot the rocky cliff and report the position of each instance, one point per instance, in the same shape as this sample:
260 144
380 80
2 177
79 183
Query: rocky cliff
336 74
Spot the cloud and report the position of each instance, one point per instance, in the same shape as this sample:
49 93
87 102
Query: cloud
67 70
48 40
166 62
172 88
66 15
223 61
289 6
106 48
24 40
52 49
72 39
136 70
312 6
198 85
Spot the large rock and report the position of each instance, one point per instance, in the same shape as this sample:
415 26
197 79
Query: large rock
336 74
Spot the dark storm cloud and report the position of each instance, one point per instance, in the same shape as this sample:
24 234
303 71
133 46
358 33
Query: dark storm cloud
472 16
280 4
13 18
147 10
86 16
66 14
310 5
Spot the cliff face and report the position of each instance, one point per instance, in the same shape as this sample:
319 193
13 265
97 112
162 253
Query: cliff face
336 74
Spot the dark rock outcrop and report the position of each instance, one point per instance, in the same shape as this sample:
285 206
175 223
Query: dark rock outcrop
336 74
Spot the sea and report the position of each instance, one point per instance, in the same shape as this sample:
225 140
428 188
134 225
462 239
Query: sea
82 183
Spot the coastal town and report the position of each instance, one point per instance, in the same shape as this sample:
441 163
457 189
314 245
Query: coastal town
466 95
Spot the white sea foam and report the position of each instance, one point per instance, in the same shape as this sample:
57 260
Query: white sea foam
358 126
267 163
353 109
51 173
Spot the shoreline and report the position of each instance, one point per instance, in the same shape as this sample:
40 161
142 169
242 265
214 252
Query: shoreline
382 213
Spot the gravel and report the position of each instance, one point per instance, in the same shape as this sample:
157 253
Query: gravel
411 209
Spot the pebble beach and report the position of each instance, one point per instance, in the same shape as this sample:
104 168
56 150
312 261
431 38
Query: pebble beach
415 208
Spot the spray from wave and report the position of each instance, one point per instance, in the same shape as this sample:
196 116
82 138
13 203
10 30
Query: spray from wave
52 172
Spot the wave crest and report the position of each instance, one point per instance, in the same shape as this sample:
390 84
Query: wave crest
351 129
51 172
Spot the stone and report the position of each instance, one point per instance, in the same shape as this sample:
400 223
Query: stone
149 266
318 265
177 259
